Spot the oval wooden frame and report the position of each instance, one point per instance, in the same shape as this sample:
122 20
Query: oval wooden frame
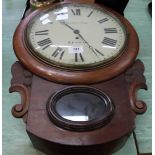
70 76
79 125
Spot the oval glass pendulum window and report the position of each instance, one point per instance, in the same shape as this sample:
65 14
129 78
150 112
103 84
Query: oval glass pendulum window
80 108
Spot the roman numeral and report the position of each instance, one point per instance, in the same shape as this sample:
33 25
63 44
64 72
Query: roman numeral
78 56
76 12
103 20
45 43
44 32
110 30
109 42
58 52
90 14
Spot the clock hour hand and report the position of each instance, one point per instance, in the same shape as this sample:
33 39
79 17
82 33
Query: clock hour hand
74 30
68 26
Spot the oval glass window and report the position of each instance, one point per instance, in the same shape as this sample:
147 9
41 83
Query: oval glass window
81 106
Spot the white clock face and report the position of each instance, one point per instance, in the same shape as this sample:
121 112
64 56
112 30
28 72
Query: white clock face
76 36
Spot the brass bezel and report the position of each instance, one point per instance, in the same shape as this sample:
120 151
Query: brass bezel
38 4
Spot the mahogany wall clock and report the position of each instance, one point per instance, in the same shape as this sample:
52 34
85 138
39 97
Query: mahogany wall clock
78 78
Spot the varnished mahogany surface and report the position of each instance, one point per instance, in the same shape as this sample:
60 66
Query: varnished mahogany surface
49 138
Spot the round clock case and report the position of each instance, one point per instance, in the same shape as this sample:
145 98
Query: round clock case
96 68
78 78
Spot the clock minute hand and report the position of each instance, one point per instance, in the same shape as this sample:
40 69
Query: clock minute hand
93 50
78 33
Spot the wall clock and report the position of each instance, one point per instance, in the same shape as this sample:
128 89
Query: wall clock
78 78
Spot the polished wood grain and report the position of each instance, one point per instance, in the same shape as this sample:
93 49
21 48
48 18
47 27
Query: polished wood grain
49 137
21 83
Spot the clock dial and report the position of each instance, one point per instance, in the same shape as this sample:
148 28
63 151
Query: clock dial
76 36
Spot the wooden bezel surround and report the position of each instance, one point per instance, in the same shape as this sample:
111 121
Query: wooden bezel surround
72 76
80 125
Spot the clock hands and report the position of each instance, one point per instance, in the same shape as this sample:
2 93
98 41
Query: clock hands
68 26
95 51
74 30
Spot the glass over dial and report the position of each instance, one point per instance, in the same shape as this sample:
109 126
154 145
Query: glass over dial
75 36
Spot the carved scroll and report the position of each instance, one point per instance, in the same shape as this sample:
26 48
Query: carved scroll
21 82
19 110
137 105
136 80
